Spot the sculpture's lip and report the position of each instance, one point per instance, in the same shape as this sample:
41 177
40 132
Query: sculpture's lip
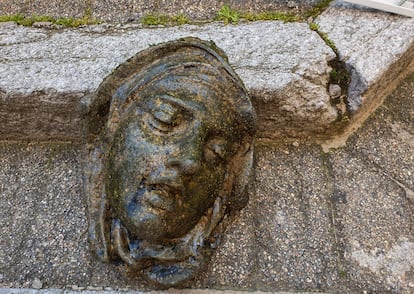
161 196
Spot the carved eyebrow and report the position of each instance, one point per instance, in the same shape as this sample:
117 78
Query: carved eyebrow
189 106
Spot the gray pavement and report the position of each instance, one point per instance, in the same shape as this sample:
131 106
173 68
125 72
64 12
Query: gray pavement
339 220
132 10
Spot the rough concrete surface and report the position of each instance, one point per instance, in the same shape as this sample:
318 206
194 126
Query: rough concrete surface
131 10
284 66
170 291
339 222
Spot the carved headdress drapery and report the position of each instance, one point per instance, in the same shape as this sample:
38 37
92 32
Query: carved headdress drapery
170 151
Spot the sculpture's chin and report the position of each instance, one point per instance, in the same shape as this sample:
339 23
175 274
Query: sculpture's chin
158 263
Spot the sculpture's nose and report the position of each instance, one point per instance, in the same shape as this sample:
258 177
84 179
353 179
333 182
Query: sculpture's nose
186 157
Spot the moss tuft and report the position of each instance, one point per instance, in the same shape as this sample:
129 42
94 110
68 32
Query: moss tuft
270 15
154 19
181 19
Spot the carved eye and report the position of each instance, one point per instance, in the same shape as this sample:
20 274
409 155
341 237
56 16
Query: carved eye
215 149
164 118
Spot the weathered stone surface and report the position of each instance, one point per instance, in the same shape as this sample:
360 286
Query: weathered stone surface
107 291
376 47
238 251
129 10
44 73
295 236
376 204
44 213
377 226
57 8
357 201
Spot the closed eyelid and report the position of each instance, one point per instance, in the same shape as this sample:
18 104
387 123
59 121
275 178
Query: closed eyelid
187 106
165 113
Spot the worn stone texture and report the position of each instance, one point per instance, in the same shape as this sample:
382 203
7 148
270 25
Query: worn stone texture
375 46
56 8
378 234
108 291
45 73
130 10
293 219
42 212
339 222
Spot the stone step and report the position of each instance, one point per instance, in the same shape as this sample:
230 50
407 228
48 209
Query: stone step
45 73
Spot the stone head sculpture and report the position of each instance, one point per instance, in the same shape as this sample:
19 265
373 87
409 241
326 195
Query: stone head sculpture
170 151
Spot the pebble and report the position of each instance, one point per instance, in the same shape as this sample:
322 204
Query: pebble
334 91
37 284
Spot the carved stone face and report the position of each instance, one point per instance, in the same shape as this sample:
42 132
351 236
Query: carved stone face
169 157
170 135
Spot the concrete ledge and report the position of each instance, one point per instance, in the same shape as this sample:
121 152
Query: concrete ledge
285 67
45 73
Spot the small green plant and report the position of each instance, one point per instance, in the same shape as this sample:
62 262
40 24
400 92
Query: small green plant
333 74
339 76
314 26
228 15
154 19
328 41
